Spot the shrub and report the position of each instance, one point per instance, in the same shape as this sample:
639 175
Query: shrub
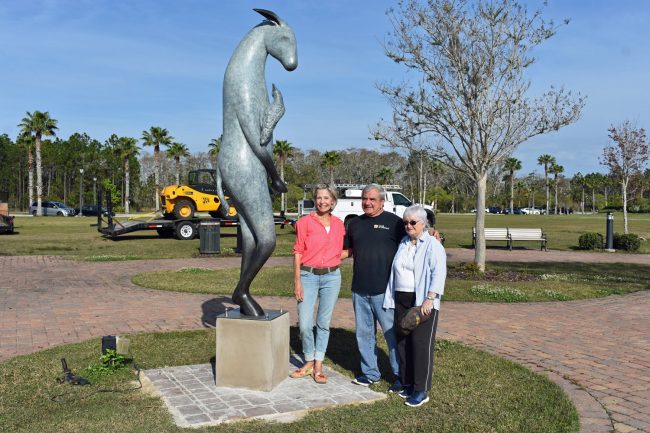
590 241
628 242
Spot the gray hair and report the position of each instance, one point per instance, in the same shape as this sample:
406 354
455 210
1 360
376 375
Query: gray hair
376 187
329 189
416 212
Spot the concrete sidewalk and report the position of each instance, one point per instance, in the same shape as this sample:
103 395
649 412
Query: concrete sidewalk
597 350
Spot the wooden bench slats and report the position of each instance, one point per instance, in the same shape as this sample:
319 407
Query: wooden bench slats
509 235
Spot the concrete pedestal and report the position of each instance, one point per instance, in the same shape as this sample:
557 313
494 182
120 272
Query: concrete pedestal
252 353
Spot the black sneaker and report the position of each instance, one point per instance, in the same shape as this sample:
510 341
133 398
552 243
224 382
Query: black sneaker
406 392
396 387
363 381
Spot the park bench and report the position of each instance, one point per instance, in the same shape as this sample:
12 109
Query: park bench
509 235
527 235
492 235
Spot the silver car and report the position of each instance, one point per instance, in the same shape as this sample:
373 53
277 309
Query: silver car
52 208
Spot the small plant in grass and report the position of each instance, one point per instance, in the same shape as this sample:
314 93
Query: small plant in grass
552 294
504 294
590 241
109 362
194 270
557 277
110 258
628 242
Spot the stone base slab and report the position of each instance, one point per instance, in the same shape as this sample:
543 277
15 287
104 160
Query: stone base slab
193 400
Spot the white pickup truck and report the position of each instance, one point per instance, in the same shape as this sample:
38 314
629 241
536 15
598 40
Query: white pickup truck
349 203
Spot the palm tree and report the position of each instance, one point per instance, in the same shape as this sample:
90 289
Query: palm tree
593 181
331 160
178 151
547 161
125 148
38 124
28 143
283 150
214 148
511 165
579 181
556 170
520 187
155 137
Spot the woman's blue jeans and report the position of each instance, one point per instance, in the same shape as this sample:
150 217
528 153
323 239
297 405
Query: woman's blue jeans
326 288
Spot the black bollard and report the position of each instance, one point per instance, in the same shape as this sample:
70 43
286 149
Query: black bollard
609 234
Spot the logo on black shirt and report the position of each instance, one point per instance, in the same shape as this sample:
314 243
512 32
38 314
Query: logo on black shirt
380 226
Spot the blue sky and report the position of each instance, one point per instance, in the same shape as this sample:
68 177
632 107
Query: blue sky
119 66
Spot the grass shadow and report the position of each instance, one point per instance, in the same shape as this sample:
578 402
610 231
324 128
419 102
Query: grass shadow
212 308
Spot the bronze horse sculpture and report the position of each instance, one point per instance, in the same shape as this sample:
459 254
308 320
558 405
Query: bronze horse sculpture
246 157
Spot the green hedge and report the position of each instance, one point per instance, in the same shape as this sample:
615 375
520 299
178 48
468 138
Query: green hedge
590 241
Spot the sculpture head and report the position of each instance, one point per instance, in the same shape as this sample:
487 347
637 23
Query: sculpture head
280 40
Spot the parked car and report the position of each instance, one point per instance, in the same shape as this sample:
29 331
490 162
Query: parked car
515 211
531 211
91 210
495 209
52 208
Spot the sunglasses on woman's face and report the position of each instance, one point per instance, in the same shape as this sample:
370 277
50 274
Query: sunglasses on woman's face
413 223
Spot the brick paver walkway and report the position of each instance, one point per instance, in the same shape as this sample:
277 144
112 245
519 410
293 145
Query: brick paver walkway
597 350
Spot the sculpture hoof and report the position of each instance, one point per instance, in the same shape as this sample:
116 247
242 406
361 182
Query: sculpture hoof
279 186
247 305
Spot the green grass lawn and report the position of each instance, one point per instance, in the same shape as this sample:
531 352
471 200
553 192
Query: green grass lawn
504 282
473 392
75 237
562 231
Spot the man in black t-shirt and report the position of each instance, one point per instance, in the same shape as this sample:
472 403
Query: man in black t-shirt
372 240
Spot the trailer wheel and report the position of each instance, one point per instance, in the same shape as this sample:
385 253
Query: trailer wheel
185 231
184 209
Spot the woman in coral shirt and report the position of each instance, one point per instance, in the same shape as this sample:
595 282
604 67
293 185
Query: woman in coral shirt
317 256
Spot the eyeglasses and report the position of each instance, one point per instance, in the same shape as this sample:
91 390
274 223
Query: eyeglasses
413 223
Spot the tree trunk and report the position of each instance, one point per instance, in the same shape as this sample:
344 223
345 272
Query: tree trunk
555 197
624 191
127 174
547 191
156 177
283 197
30 178
479 248
178 171
512 193
39 177
605 195
593 200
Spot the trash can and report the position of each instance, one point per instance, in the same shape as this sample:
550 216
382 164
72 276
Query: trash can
210 236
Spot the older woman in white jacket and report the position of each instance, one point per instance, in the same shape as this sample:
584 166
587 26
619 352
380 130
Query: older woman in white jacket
417 279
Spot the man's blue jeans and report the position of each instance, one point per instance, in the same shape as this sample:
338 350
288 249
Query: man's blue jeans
326 288
368 310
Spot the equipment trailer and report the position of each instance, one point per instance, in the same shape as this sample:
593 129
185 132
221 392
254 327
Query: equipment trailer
183 229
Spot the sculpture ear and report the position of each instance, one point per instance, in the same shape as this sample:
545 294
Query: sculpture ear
269 15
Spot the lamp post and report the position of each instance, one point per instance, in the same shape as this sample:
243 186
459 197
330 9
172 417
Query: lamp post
95 191
81 191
